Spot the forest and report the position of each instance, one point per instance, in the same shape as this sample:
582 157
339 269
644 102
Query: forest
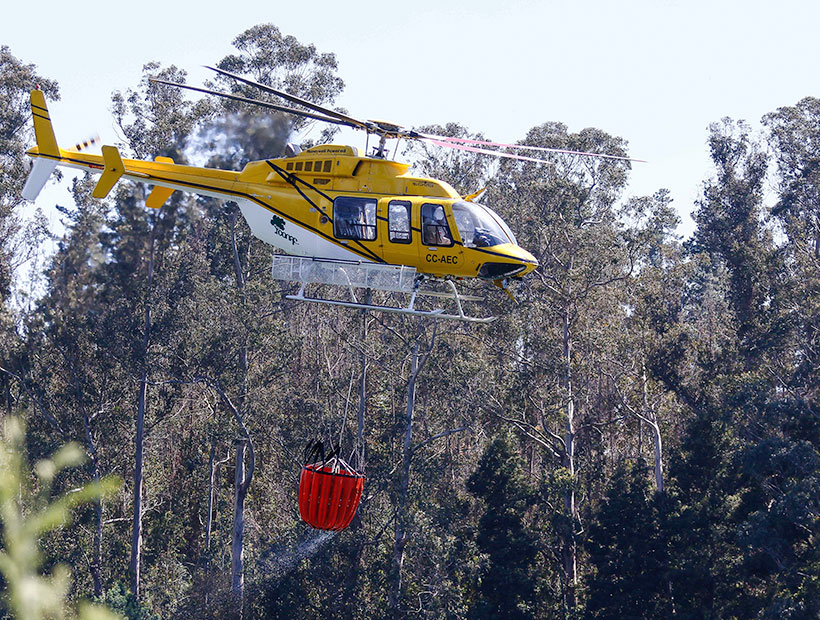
637 438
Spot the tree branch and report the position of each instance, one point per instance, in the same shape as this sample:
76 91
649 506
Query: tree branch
37 401
215 386
452 431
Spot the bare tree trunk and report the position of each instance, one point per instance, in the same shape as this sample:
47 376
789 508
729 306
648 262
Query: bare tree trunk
657 441
647 416
658 447
136 525
211 490
569 547
817 236
209 521
238 538
400 537
362 386
242 478
7 391
139 440
96 551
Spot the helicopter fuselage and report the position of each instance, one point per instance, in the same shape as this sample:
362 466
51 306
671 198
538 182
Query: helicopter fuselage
330 202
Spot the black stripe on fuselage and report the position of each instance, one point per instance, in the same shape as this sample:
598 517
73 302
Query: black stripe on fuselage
507 256
291 180
363 252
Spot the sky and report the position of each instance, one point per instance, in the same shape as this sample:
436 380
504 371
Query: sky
655 73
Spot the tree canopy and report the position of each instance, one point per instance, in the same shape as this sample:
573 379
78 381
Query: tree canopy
639 437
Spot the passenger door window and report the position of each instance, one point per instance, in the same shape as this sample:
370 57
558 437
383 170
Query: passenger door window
354 218
398 221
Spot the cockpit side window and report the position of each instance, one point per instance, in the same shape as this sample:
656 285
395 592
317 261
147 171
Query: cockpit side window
434 227
398 221
354 218
478 226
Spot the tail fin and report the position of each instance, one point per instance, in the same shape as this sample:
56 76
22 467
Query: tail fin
46 141
47 153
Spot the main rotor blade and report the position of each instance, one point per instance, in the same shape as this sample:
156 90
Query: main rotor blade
474 149
353 122
264 104
527 147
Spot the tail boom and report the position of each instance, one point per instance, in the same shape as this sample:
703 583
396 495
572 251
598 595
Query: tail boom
163 174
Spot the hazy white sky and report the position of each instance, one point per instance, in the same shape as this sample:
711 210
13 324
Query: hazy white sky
653 72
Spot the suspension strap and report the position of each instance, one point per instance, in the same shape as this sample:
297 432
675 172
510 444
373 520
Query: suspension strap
315 453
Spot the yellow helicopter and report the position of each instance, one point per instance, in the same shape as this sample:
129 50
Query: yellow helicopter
342 218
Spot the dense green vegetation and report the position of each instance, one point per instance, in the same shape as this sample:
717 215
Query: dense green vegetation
639 438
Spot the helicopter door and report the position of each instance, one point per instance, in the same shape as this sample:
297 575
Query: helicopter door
396 233
440 251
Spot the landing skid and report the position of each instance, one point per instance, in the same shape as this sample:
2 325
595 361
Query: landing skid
370 276
362 306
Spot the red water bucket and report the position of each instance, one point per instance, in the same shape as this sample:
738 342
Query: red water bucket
328 499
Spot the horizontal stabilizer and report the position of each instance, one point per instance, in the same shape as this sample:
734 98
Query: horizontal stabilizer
38 176
114 169
159 195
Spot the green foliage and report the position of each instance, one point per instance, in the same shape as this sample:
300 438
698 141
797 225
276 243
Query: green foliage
465 171
280 61
629 576
623 337
16 80
506 584
119 599
28 514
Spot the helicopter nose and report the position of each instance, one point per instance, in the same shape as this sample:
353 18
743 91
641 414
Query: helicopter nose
530 260
518 263
523 258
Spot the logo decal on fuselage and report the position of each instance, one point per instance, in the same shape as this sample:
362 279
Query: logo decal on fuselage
279 228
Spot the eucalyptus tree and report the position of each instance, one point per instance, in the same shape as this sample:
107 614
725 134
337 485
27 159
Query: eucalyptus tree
733 356
252 313
567 217
774 399
155 122
794 137
651 222
793 133
467 172
16 132
16 135
267 56
729 224
418 359
75 368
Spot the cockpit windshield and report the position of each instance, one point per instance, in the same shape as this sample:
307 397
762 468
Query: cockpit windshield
479 227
